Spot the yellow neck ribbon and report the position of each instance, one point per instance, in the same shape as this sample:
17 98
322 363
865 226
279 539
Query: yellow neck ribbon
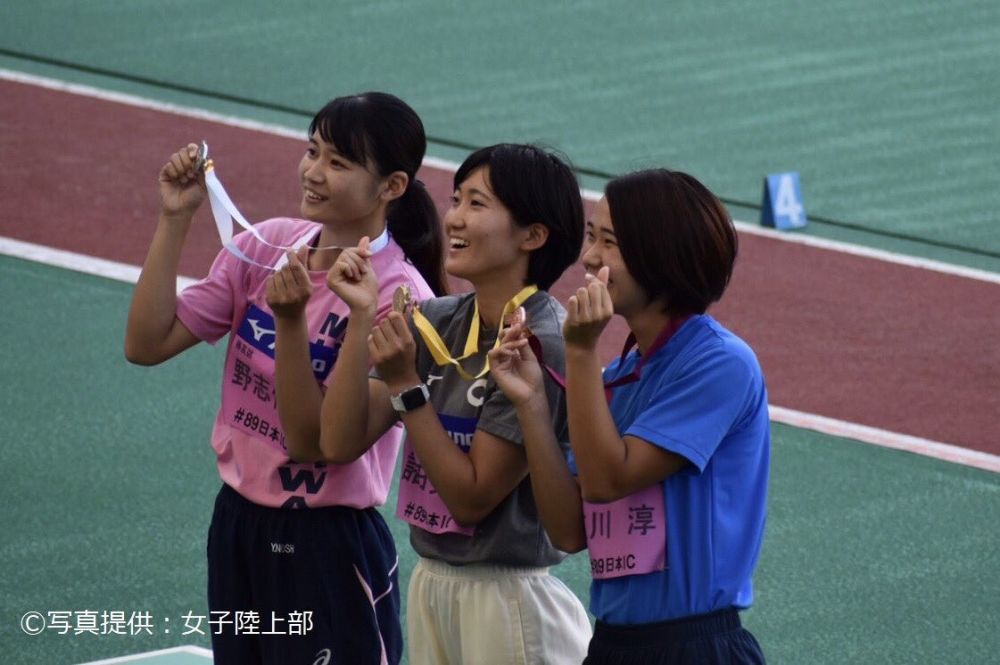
437 346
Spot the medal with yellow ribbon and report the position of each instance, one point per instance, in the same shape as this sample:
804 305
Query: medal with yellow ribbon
437 346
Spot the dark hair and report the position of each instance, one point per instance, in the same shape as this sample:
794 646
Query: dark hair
536 186
676 238
382 132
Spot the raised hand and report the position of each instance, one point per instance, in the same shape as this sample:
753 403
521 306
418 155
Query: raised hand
182 188
515 368
353 278
588 312
289 289
394 353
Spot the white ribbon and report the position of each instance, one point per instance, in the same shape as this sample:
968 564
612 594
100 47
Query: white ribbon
224 211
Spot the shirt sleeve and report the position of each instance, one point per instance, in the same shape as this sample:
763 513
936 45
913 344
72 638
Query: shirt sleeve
210 307
499 417
692 413
206 307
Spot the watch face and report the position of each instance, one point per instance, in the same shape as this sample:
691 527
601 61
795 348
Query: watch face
410 399
413 398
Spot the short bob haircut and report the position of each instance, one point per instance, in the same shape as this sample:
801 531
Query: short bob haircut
536 186
676 238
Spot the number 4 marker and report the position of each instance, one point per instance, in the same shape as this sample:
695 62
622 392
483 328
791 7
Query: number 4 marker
782 206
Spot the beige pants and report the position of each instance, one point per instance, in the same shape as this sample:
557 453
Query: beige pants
486 615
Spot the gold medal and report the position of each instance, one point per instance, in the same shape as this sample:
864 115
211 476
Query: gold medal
438 349
402 299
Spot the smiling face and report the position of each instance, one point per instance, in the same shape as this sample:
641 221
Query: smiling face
336 190
484 242
600 249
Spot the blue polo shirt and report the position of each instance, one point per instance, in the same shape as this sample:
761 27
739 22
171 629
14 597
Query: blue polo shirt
703 397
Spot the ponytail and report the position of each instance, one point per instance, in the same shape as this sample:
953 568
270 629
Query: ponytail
414 224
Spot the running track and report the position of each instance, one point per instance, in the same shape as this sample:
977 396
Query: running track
861 340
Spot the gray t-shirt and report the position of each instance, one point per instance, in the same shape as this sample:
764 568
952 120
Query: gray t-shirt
512 534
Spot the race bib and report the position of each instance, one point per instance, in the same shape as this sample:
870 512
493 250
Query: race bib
249 401
628 536
419 504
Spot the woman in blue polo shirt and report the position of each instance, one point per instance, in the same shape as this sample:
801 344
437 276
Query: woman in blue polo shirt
671 445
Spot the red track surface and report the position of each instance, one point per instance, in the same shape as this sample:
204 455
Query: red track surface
861 340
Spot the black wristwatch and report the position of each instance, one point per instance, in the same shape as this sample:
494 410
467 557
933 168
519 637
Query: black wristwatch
411 398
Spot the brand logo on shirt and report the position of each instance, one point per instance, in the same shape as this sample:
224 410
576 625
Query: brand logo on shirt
323 657
282 548
257 329
475 393
259 333
461 430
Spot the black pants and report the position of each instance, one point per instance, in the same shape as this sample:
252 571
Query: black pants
268 567
708 639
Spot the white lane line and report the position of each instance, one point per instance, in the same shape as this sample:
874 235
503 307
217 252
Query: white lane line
870 253
124 272
886 439
451 167
193 650
90 265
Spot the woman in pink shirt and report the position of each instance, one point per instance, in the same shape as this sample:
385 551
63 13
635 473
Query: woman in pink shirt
296 549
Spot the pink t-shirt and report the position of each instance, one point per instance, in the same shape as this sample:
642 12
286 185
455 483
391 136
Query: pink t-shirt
247 435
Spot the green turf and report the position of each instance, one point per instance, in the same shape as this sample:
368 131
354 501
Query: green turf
888 111
871 555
